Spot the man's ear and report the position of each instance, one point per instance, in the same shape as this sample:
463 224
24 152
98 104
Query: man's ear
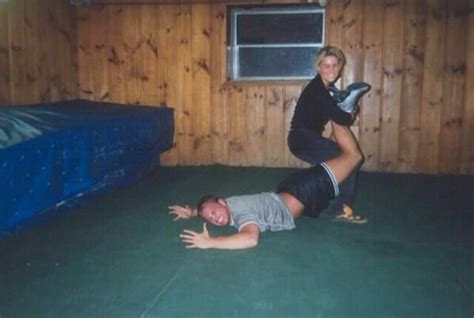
221 202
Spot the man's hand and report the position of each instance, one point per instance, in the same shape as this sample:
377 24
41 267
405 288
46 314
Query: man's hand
196 240
182 212
246 238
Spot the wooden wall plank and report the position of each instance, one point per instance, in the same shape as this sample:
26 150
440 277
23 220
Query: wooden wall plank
220 113
134 43
352 47
453 87
85 54
184 113
255 109
414 30
238 154
334 36
334 23
432 96
149 29
48 89
51 63
65 28
276 133
167 64
392 79
34 54
166 49
292 94
100 43
370 111
352 29
40 46
5 65
73 83
201 59
115 53
467 150
165 24
18 51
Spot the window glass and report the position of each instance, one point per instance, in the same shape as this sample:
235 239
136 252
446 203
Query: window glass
274 42
279 28
279 62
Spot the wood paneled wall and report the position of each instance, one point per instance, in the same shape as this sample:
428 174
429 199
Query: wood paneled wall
38 53
417 55
4 56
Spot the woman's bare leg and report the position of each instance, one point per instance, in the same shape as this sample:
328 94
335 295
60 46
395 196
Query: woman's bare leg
350 156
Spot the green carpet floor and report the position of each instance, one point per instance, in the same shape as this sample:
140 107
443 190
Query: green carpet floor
120 255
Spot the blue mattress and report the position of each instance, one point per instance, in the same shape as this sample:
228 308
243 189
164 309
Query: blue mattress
54 155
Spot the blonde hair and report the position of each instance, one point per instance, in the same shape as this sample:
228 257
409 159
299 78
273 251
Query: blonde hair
330 51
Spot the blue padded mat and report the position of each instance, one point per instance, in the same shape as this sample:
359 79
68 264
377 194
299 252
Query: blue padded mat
53 155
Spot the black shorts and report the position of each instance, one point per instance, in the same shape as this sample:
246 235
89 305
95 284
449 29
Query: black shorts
313 187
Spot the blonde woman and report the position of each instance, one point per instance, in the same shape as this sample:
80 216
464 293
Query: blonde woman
315 108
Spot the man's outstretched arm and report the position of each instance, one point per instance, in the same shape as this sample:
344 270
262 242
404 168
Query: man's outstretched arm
247 237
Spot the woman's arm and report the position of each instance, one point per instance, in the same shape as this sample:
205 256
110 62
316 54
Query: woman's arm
334 112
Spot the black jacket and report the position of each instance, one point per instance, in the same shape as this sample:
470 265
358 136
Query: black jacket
316 107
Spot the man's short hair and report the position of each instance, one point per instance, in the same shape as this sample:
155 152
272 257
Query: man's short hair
206 198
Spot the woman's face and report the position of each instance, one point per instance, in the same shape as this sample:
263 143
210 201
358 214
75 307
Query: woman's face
329 69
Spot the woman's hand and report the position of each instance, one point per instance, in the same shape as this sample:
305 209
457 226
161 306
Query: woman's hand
182 212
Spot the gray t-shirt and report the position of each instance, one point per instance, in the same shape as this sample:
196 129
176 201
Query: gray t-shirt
266 209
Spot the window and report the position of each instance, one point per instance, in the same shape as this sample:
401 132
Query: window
273 42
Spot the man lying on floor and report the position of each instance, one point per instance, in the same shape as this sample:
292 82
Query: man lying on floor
304 192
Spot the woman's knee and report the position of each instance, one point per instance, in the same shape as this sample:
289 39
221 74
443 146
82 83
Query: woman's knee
358 156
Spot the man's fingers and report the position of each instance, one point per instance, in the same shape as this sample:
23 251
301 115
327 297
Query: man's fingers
204 228
176 215
176 208
189 232
186 236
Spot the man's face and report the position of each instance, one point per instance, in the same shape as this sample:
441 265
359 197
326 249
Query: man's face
216 213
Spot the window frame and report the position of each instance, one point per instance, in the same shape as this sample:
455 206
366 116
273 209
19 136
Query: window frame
233 61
